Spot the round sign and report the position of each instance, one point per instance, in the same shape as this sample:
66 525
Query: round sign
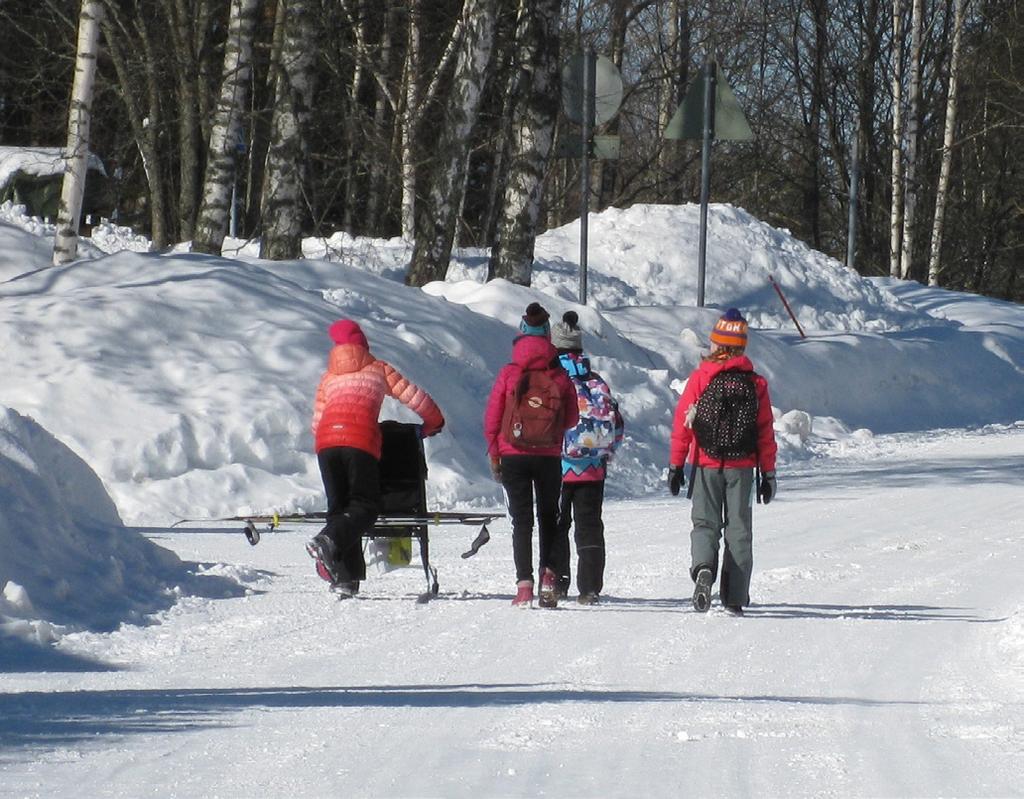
607 89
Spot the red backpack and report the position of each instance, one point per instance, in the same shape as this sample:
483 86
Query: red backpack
533 417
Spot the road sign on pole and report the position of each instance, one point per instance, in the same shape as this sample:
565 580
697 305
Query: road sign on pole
688 120
591 95
709 111
607 88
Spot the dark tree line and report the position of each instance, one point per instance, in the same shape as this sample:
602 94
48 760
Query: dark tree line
439 120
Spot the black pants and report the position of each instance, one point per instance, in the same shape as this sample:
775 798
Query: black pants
582 501
352 484
527 478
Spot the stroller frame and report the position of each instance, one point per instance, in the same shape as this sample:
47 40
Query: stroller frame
403 514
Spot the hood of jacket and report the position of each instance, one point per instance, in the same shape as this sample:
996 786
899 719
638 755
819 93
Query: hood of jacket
575 365
741 363
346 358
533 352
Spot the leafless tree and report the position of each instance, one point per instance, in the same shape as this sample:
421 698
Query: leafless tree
226 132
535 93
436 215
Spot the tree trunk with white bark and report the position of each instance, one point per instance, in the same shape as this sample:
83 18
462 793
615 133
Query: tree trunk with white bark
436 214
536 107
949 133
283 201
913 123
896 210
76 153
226 130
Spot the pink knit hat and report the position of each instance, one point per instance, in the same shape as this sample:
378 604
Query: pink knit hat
345 331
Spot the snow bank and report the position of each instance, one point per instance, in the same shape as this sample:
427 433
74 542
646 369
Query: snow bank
24 246
67 560
647 255
187 380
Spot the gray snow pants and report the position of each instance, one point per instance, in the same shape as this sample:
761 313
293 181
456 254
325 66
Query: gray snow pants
723 500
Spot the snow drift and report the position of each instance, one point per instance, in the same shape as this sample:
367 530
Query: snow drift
68 561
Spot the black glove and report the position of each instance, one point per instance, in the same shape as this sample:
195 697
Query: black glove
767 488
676 479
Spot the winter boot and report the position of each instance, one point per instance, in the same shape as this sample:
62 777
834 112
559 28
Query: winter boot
562 589
345 589
702 590
734 610
524 594
323 551
548 588
321 570
589 598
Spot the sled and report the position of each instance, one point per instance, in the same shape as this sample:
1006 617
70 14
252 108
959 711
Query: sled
404 516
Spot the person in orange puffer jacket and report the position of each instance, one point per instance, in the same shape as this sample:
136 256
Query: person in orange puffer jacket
348 447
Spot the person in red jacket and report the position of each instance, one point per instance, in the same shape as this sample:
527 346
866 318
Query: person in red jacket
723 484
529 467
348 447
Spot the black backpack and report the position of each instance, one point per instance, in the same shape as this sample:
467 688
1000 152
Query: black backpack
726 419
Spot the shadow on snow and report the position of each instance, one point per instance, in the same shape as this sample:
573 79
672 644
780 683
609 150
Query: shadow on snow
58 718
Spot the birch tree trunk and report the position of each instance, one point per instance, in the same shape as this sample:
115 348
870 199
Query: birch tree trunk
436 217
896 212
353 154
226 129
942 191
76 153
536 107
502 148
410 116
284 182
913 123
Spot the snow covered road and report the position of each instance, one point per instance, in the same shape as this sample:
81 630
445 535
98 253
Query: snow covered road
883 656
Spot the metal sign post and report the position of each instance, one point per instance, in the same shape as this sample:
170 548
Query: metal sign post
591 95
708 134
586 127
851 226
708 112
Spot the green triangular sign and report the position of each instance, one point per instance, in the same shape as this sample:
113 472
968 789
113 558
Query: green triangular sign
688 120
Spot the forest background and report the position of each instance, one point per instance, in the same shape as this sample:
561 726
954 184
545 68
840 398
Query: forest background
440 121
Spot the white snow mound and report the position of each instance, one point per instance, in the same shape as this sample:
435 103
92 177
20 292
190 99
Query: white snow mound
68 561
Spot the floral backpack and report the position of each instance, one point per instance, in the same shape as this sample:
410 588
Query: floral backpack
598 431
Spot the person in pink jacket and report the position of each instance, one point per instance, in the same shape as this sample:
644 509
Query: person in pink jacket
528 464
348 447
724 437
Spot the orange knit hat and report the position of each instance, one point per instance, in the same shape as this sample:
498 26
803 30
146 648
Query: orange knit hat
730 330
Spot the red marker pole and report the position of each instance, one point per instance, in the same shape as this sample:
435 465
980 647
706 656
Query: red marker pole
788 309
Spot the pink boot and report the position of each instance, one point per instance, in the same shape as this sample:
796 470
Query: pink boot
524 594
